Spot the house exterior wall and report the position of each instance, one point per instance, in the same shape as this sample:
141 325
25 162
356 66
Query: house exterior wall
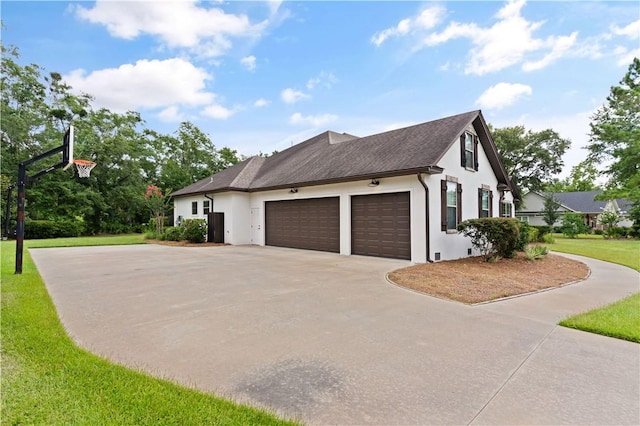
453 245
245 212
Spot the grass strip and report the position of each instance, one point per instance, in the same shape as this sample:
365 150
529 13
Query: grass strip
620 319
47 379
622 252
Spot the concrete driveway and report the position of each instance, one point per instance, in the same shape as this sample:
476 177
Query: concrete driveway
325 339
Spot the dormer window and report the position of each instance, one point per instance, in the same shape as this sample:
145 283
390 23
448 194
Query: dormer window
469 151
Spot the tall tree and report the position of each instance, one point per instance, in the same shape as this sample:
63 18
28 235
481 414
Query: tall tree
615 137
550 213
530 158
582 178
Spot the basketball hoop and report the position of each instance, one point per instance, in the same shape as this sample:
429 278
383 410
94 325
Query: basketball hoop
84 167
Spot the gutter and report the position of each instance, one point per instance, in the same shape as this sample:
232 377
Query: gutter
210 198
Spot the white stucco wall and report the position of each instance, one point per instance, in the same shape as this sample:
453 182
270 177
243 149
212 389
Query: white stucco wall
244 212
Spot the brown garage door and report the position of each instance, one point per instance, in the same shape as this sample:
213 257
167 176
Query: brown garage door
312 224
380 225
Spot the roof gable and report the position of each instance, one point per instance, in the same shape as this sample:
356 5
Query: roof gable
338 157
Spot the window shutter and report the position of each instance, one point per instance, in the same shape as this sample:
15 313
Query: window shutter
443 205
479 202
490 203
475 153
463 156
459 206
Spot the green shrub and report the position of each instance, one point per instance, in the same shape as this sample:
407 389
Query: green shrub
195 230
150 235
617 232
598 232
542 231
40 229
174 233
548 239
523 236
634 231
536 252
494 237
573 224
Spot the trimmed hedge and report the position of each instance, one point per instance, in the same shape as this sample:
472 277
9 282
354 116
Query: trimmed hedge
494 237
41 229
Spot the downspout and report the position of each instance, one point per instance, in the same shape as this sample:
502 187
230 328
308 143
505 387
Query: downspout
211 198
426 221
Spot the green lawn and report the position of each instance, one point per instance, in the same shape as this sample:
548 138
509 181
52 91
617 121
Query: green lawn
622 252
620 319
47 379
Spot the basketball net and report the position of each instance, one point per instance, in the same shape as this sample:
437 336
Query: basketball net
84 167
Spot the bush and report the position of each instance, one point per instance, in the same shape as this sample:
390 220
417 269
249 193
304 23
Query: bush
598 232
573 224
174 233
38 229
634 231
536 252
548 239
494 237
195 230
542 231
527 234
617 232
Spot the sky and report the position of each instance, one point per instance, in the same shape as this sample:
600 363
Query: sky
262 76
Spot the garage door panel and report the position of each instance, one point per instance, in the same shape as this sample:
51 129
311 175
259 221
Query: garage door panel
380 225
312 224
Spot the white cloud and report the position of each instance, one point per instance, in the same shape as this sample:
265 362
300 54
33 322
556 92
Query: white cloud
325 79
291 96
625 56
426 19
312 120
171 114
249 62
179 24
262 102
145 84
560 46
218 112
502 95
632 30
505 43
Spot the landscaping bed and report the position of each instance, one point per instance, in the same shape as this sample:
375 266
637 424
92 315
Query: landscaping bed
185 243
472 280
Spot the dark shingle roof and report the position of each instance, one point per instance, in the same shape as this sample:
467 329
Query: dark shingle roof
336 157
582 201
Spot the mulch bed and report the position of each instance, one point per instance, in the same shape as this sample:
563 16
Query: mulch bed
472 280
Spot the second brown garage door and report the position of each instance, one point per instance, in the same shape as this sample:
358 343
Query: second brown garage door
312 224
381 225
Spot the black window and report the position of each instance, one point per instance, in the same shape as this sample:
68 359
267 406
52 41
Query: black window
205 207
485 203
451 205
194 207
469 151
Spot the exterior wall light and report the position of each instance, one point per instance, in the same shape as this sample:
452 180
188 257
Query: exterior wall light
293 191
373 183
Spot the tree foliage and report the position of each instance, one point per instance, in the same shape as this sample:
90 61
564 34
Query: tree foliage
582 178
530 158
36 109
615 138
573 224
550 213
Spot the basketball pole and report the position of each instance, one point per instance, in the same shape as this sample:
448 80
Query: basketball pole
23 179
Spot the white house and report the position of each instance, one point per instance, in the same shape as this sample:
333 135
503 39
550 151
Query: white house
584 203
398 194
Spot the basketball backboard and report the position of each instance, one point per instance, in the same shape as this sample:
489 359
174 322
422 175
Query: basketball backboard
67 148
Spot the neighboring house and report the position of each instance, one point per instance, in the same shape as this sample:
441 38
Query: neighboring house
398 194
531 209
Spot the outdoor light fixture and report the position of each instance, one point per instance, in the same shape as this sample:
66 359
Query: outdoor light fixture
293 190
374 183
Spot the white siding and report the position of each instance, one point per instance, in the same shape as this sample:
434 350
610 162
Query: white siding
237 206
